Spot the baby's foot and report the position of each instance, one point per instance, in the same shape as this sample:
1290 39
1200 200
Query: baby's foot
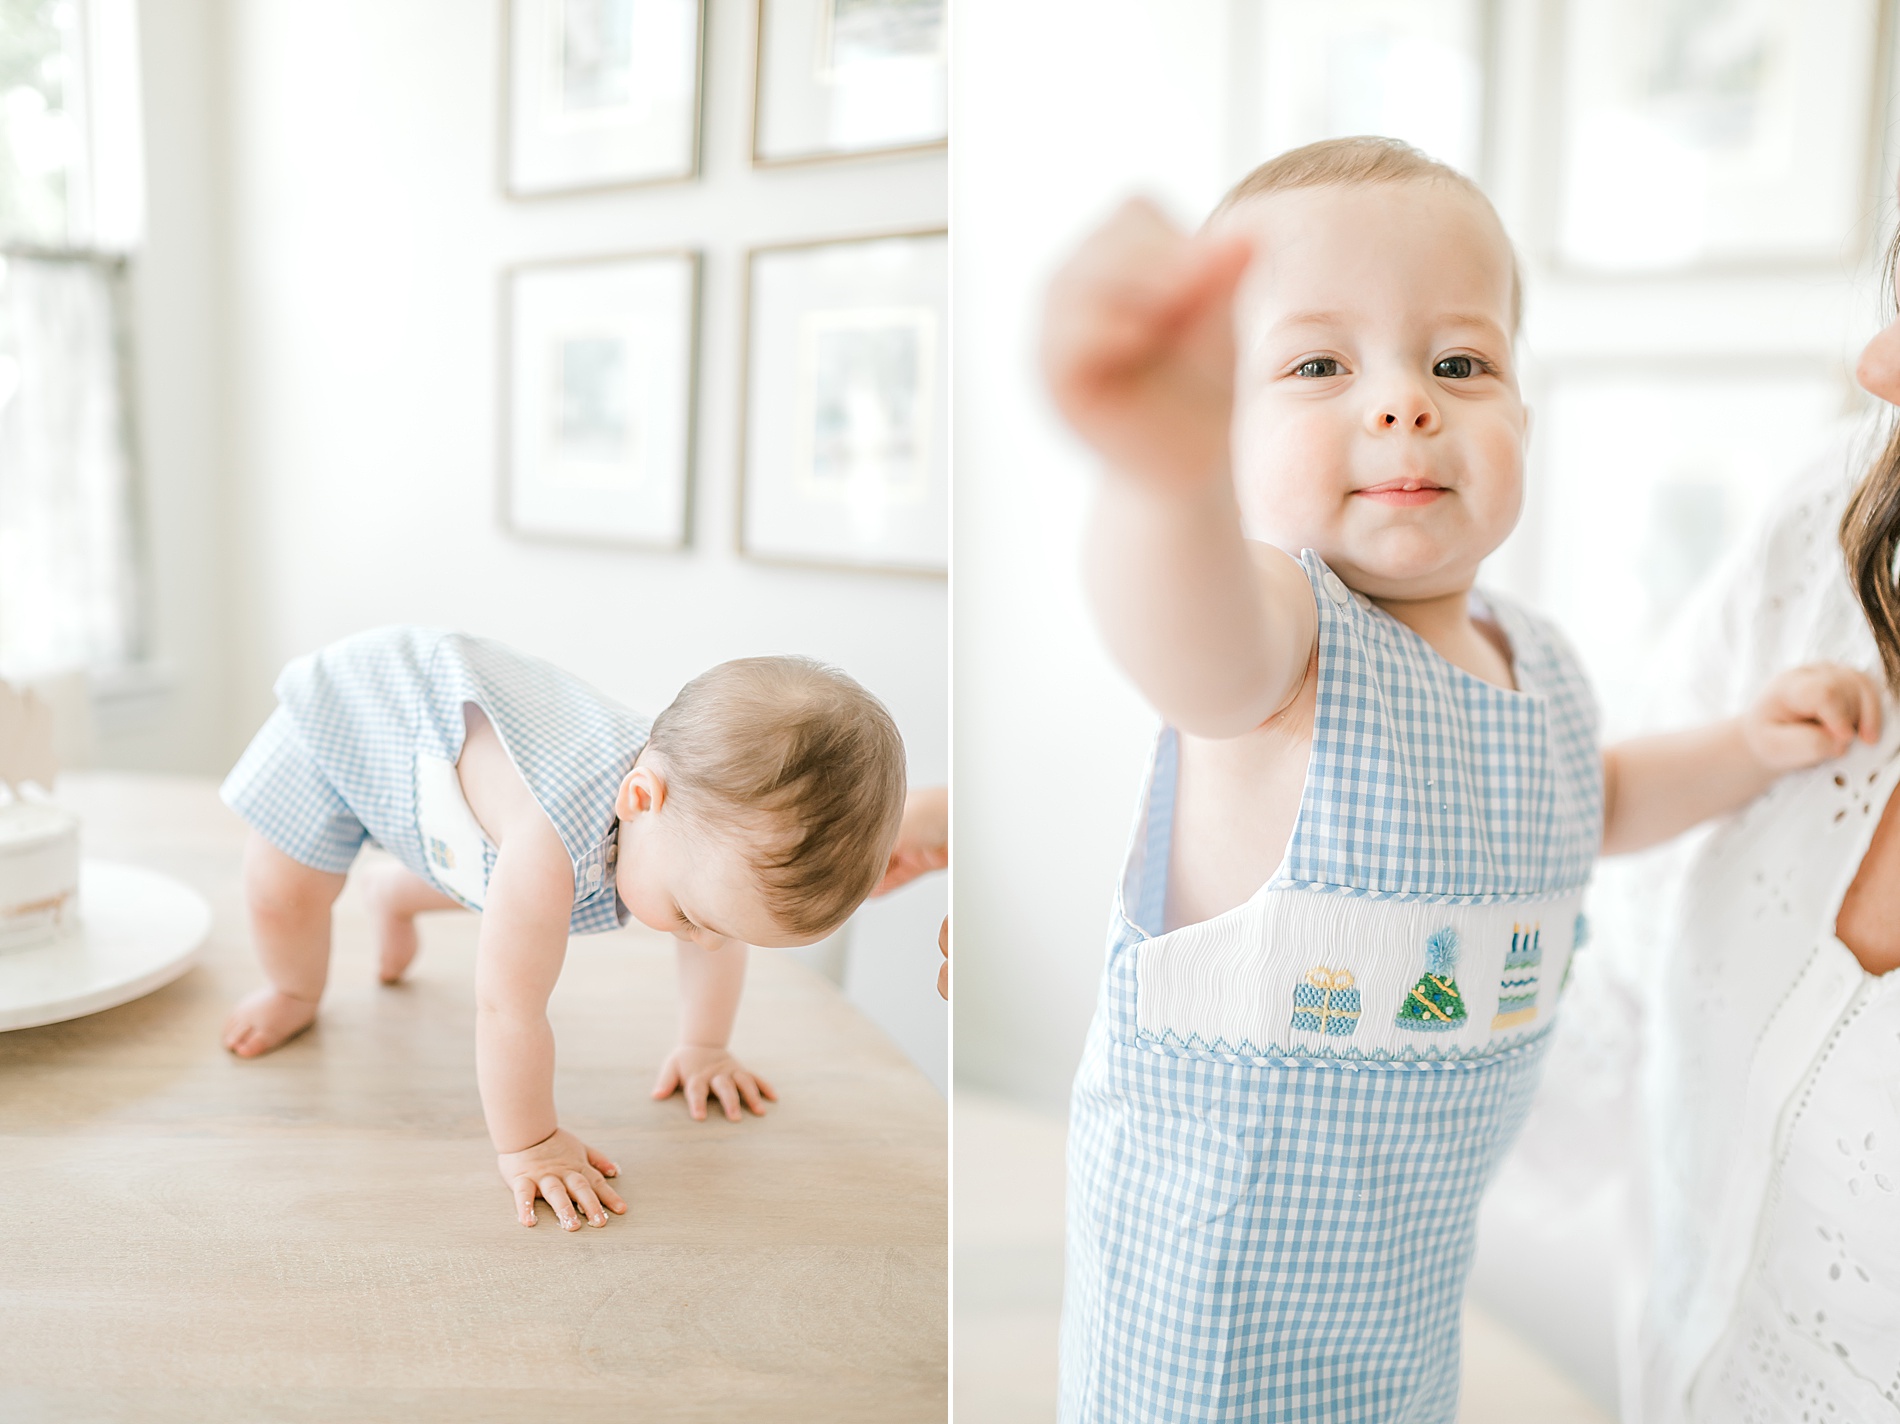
395 926
395 945
264 1020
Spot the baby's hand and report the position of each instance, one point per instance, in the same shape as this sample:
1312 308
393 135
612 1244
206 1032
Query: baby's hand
566 1172
1811 714
1138 346
695 1069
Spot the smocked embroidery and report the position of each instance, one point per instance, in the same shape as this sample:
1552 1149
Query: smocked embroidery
1517 988
1326 1003
1436 1004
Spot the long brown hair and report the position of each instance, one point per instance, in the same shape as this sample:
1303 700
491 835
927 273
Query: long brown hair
1870 535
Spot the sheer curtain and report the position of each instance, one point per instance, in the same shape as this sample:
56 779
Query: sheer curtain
71 209
69 546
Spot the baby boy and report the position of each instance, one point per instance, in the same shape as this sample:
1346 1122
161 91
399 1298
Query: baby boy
759 808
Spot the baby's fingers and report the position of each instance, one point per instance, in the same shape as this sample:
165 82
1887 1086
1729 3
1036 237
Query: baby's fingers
728 1094
524 1201
1867 693
583 1194
556 1195
604 1164
754 1090
609 1198
696 1097
1790 746
667 1083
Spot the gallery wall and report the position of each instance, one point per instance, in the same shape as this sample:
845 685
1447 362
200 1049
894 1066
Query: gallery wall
346 240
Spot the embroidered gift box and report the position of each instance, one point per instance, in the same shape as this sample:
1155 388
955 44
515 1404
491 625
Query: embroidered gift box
1326 1003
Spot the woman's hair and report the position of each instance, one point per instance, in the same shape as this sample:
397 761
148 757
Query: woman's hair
806 755
1870 535
1358 162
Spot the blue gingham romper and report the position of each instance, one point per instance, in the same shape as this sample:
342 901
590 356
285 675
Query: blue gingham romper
364 742
1285 1115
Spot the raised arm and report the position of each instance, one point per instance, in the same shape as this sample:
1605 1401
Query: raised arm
1655 788
1138 346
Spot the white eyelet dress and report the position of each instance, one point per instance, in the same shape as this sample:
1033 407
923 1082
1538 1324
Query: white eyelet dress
1774 1060
364 742
1285 1115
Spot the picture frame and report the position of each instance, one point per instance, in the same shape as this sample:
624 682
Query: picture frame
1692 139
599 394
838 79
844 441
600 94
1417 70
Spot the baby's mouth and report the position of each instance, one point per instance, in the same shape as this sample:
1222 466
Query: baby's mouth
1409 491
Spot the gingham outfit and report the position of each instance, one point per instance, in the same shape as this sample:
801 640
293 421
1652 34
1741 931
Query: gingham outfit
1279 1132
365 737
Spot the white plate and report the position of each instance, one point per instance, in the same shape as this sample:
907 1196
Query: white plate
138 930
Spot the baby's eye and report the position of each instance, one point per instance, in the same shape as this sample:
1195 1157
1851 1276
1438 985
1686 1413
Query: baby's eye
1319 366
1455 368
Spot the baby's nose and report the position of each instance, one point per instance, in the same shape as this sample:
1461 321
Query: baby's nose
1420 420
1416 413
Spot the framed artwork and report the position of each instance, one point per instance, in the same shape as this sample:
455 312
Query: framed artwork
597 398
1643 474
1697 134
845 78
845 447
1413 69
600 94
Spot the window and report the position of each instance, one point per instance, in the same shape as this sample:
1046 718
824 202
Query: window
71 554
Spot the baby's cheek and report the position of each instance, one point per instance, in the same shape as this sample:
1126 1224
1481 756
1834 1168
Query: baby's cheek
1289 474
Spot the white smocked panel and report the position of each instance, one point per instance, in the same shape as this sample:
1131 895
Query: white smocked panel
1292 972
452 840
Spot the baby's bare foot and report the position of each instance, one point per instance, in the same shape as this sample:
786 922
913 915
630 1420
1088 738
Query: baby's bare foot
395 922
265 1020
395 945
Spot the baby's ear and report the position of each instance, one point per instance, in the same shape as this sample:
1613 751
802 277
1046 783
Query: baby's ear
643 790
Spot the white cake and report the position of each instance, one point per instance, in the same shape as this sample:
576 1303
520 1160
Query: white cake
39 872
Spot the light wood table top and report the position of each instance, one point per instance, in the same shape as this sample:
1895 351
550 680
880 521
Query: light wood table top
320 1234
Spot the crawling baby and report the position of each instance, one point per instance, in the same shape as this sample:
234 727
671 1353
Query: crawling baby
759 808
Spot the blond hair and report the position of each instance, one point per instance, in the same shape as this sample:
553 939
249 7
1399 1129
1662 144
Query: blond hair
810 750
1360 162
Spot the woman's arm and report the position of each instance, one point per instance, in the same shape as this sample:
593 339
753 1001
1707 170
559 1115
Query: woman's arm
1138 345
1655 788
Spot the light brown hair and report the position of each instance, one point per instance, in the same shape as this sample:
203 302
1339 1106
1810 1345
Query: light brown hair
811 752
1358 162
1870 534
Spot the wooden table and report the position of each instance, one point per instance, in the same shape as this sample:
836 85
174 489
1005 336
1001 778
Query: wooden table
320 1234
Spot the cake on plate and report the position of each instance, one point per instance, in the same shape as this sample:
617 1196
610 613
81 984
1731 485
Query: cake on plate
39 872
39 842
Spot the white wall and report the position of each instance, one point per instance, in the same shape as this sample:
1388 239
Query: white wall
1062 108
178 719
338 311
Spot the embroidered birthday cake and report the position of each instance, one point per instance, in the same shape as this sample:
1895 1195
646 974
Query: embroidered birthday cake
39 841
